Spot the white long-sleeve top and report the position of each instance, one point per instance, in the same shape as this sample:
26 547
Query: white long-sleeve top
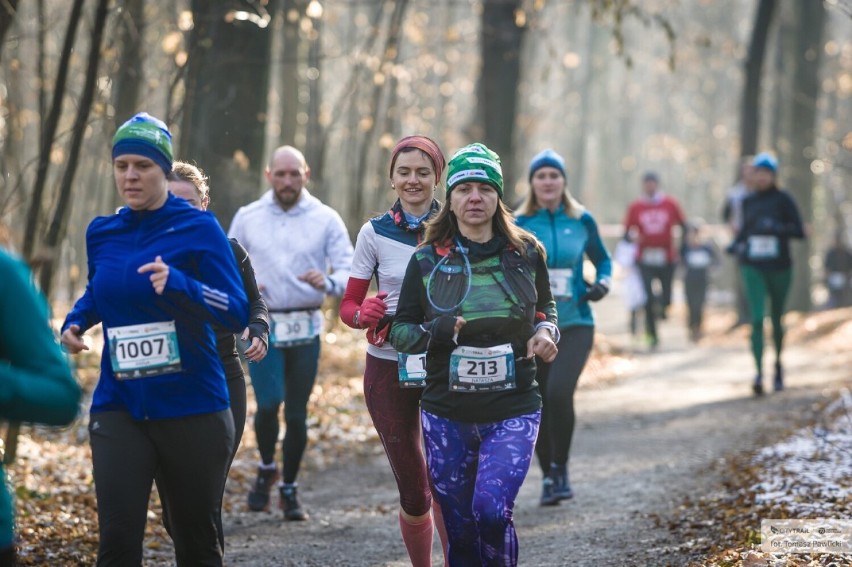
285 244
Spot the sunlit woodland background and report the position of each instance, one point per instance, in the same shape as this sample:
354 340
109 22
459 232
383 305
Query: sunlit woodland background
683 87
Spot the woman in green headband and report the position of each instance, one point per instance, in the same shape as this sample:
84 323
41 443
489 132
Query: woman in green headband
476 298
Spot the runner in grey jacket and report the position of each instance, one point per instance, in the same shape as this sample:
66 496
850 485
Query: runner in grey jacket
301 252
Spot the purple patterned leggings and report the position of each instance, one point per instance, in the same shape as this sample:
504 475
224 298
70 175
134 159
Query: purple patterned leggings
477 470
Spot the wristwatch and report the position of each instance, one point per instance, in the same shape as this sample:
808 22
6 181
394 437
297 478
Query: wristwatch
356 319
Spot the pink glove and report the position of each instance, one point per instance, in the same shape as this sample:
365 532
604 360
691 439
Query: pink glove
372 310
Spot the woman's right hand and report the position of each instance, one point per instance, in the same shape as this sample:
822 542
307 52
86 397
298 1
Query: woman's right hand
72 339
372 310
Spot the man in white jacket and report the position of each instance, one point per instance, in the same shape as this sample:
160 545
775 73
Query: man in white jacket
301 252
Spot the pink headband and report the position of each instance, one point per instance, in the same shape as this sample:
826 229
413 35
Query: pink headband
424 144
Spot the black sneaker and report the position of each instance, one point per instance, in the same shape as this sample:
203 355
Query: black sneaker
778 384
757 387
258 497
290 504
561 483
548 498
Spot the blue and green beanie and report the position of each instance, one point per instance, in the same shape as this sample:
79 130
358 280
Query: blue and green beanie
475 162
146 136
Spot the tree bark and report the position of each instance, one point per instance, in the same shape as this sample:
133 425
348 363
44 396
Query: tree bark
291 80
810 22
750 110
56 230
390 55
129 76
49 132
8 9
226 101
498 83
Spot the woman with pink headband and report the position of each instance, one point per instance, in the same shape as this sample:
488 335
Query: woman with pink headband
393 382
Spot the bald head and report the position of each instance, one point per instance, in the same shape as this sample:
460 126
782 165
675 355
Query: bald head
287 151
287 173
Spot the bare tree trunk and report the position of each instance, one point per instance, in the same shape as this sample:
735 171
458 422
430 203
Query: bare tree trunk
498 82
50 126
56 231
390 55
226 101
314 146
129 78
750 110
8 8
294 11
800 178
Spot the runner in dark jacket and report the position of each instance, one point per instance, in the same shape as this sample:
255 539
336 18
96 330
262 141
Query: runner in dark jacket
770 220
476 298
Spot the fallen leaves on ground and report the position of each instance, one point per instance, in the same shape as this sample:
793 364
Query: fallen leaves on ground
806 475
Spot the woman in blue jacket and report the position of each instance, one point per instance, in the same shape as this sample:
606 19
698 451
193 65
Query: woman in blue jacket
161 274
568 233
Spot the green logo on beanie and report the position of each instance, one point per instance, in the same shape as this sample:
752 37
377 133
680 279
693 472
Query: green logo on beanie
475 162
147 136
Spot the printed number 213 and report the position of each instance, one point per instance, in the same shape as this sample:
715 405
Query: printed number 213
481 367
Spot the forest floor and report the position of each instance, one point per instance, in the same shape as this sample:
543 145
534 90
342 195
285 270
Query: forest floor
669 463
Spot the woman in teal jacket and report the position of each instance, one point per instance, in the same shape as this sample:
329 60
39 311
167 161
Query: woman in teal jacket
568 232
35 382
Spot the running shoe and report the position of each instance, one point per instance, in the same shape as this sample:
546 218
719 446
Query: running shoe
289 503
258 497
779 377
548 498
757 387
561 483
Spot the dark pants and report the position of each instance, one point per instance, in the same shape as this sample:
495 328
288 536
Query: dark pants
557 382
664 275
286 375
396 416
695 288
237 393
190 455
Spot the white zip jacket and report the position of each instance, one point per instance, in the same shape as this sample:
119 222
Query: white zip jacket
285 244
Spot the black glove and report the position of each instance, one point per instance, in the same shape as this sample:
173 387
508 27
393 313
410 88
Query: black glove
443 329
735 248
595 292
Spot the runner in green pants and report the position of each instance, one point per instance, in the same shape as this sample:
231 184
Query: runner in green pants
770 220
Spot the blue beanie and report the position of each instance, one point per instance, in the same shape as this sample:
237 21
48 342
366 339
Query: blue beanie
547 158
765 160
146 136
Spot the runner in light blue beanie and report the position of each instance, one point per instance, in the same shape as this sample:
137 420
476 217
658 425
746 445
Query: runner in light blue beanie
547 158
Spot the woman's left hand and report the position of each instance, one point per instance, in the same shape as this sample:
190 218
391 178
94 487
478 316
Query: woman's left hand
541 344
160 274
256 351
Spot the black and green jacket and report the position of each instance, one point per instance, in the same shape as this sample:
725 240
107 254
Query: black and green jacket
509 294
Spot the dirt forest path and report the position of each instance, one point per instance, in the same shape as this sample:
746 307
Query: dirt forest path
643 444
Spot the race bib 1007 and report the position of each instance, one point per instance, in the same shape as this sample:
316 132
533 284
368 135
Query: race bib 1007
140 351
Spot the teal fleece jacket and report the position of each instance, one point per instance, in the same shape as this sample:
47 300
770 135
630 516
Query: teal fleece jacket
567 240
36 384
